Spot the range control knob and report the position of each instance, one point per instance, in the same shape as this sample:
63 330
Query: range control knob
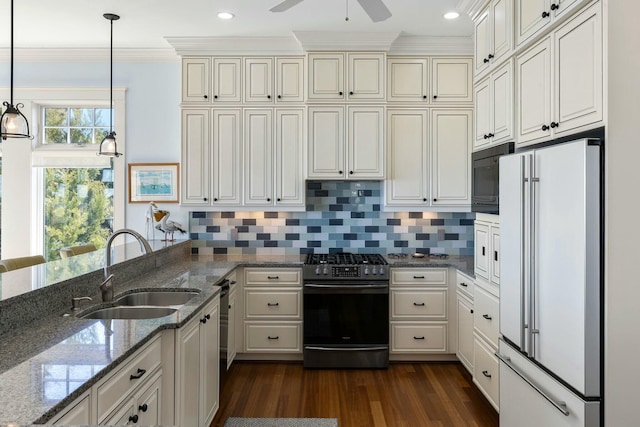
381 271
366 271
325 271
317 270
373 270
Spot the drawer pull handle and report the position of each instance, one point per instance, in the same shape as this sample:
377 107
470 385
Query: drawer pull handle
275 304
133 418
486 374
273 338
139 375
418 277
418 338
463 284
273 277
143 408
233 282
486 316
418 304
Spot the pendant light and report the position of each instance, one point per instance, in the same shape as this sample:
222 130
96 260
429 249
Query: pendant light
13 124
108 146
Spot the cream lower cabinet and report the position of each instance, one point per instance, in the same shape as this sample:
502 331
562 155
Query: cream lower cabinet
77 413
486 321
145 408
197 368
272 311
464 314
418 311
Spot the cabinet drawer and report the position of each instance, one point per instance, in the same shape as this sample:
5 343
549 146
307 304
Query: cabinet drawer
419 337
486 315
119 385
285 337
270 304
276 277
486 371
419 276
465 285
427 304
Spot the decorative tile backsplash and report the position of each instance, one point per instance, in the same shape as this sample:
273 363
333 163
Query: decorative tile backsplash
340 216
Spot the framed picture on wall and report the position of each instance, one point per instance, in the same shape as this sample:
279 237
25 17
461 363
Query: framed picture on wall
153 182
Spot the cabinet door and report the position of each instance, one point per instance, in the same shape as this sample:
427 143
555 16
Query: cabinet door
231 327
188 376
482 45
502 28
408 79
366 142
578 68
481 250
530 18
258 157
326 143
451 157
483 110
289 163
502 104
78 414
258 80
125 414
289 79
465 332
407 157
451 80
196 163
226 80
533 70
209 365
149 403
366 76
495 254
227 161
195 79
326 76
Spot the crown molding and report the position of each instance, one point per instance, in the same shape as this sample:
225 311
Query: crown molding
88 55
339 40
431 45
471 7
211 46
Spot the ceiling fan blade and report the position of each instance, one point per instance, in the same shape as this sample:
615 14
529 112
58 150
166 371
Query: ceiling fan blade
376 9
285 5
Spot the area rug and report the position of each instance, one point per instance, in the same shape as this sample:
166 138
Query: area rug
281 422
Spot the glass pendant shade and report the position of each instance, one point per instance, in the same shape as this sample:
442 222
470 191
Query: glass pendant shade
108 146
13 124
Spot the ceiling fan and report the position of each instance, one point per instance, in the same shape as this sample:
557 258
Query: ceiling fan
376 9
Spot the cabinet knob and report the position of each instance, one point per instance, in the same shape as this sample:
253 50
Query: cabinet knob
485 60
424 96
545 14
133 419
555 124
203 320
279 96
143 408
351 93
490 135
340 172
435 200
268 199
268 96
545 127
215 199
490 56
435 96
206 97
471 311
340 93
208 316
350 172
215 96
555 6
486 136
204 199
424 200
278 199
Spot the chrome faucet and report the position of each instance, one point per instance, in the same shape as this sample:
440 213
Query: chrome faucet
107 286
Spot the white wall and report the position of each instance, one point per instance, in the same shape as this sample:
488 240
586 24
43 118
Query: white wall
622 370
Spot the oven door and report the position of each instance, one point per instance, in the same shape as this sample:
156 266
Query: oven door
346 325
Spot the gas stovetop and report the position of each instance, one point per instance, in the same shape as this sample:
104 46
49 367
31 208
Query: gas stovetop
345 266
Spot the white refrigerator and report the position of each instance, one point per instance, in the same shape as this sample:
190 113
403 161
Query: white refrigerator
551 286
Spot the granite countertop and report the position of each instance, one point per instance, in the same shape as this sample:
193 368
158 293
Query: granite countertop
48 363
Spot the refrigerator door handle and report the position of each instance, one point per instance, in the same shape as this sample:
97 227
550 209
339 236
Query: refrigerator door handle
523 320
560 406
532 257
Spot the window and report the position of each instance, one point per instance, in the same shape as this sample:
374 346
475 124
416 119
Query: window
74 125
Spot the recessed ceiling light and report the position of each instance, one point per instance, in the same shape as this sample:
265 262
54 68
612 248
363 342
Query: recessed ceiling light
451 15
225 15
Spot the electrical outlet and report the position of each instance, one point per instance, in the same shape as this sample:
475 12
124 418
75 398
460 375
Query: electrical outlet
360 193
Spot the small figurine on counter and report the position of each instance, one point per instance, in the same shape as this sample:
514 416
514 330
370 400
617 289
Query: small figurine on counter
166 225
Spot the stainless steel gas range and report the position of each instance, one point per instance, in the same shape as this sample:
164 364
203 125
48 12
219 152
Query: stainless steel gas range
346 311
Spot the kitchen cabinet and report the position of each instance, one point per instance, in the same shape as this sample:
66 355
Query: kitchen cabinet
196 163
451 80
272 310
231 321
145 408
486 372
365 76
226 143
494 108
226 80
363 155
290 79
487 248
258 80
493 35
418 311
260 75
196 76
77 413
200 73
464 313
258 158
559 80
197 367
408 79
533 16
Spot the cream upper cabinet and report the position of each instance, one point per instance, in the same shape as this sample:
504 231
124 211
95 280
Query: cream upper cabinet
494 107
258 156
451 80
227 157
289 164
493 34
196 77
326 143
365 144
451 133
559 86
481 258
532 16
408 79
226 80
289 79
258 80
365 74
196 162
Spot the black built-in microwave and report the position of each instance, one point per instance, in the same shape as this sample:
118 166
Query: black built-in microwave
485 195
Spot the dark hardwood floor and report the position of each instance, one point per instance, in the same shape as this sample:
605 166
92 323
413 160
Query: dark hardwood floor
404 395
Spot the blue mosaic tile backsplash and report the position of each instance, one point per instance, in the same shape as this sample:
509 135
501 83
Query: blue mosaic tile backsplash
340 216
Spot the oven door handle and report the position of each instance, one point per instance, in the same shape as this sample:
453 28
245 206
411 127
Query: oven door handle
350 287
345 348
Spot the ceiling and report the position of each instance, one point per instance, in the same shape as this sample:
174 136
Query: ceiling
144 24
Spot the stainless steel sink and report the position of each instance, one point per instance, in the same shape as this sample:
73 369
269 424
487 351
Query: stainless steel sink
130 313
156 298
